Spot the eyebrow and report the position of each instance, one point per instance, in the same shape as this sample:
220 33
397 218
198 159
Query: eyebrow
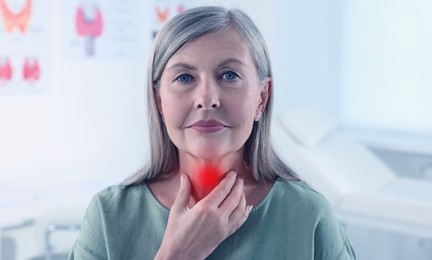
181 65
231 60
190 67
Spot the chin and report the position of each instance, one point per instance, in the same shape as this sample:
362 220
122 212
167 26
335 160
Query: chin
209 153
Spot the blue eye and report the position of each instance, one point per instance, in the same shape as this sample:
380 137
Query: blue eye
230 75
184 78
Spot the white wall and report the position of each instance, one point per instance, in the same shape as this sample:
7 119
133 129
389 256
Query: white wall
305 49
386 66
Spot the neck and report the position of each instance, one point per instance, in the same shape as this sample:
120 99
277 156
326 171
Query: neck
205 174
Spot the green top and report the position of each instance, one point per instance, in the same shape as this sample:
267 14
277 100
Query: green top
292 222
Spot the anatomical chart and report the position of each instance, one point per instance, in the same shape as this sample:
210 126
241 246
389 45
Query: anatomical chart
25 59
163 10
102 29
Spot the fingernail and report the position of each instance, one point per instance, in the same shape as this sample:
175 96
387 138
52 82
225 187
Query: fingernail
182 179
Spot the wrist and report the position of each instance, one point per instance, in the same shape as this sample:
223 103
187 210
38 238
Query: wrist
163 254
168 254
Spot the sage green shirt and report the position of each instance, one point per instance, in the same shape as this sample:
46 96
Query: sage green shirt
292 222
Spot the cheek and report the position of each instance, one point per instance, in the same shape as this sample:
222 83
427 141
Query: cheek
174 114
244 114
171 108
166 112
245 111
173 118
244 119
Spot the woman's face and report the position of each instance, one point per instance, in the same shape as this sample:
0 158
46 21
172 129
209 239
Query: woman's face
210 95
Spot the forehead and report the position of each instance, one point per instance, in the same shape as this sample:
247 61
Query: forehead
228 43
227 36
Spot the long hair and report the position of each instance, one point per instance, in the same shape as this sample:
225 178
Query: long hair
259 154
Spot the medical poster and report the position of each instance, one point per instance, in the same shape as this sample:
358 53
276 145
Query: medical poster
25 43
102 29
163 10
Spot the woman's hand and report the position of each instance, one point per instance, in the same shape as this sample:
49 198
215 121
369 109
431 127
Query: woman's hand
194 233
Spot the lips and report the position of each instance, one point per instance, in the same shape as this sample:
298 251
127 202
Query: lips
208 126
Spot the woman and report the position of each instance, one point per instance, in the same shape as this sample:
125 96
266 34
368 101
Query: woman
214 188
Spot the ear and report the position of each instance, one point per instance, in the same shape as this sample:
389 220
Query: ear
264 97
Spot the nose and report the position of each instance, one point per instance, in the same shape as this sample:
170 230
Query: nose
207 95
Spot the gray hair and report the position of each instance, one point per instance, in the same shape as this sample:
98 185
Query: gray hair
259 154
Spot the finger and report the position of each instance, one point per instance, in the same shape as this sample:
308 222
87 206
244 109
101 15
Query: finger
183 195
237 223
239 211
232 201
221 191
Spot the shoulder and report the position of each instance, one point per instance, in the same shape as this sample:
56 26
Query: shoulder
298 201
119 192
299 194
299 187
294 201
316 215
119 199
114 207
115 214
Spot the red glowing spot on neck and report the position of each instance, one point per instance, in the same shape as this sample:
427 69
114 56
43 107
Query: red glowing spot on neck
209 177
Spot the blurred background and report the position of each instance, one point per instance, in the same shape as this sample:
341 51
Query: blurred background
352 114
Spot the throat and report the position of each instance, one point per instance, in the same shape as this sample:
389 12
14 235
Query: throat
205 174
207 177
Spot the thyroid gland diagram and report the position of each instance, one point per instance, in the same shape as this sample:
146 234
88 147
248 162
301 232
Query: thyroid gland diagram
5 70
162 14
18 20
89 24
31 70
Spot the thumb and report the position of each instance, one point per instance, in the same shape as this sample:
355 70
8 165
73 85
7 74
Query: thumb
183 194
